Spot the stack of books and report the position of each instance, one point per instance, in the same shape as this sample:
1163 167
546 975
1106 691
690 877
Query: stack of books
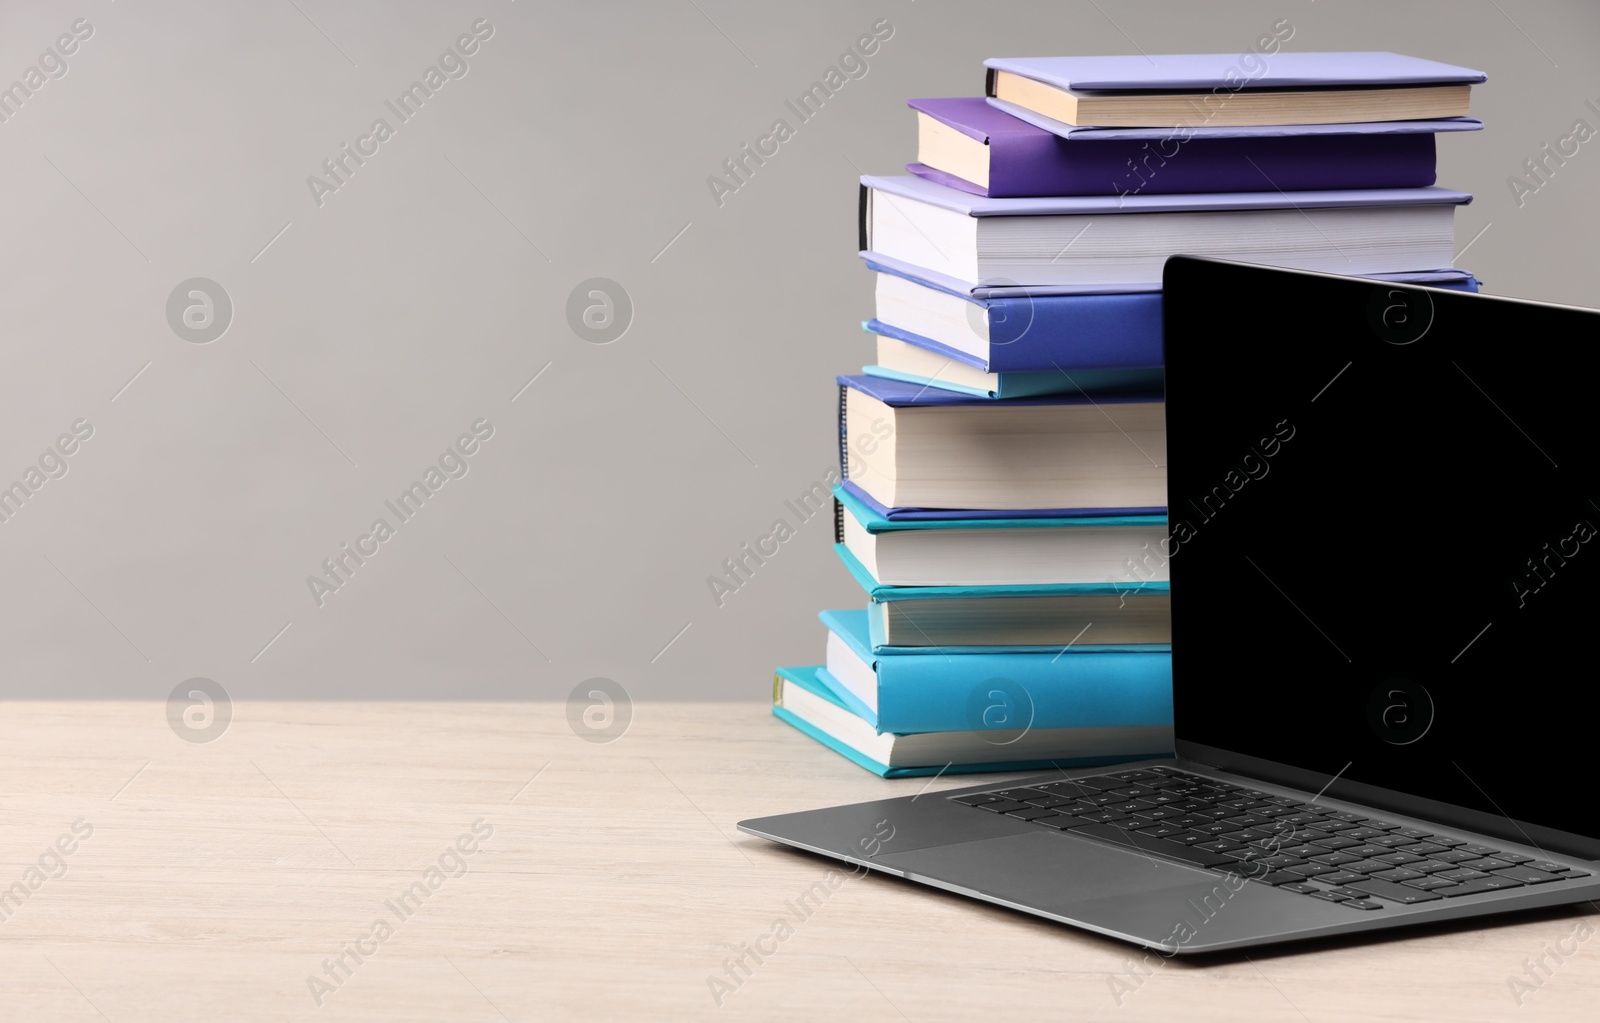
1003 485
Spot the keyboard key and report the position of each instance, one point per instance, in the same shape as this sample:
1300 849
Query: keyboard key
1455 856
1391 841
1190 838
1487 863
1362 904
1133 776
1335 826
1428 884
1399 859
1349 893
976 798
1280 861
1130 823
1362 834
1031 813
1416 833
1399 874
1004 806
1249 820
1310 869
1481 884
1427 849
1301 887
1130 791
1546 865
1020 795
1305 852
1158 813
1518 858
1432 866
1098 783
1447 841
1365 851
1337 843
1369 866
1100 816
1479 850
1248 836
1327 896
1394 892
1379 825
1336 859
1527 875
1218 845
1103 799
1162 831
1307 819
1340 877
1344 816
1461 874
1215 828
1060 822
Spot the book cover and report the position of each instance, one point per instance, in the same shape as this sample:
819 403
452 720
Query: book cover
1439 277
1177 72
1027 160
806 679
955 689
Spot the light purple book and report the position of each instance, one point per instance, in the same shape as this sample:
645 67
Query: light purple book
1025 159
1180 71
1221 71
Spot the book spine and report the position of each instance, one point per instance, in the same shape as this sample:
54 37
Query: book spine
949 691
1031 166
838 521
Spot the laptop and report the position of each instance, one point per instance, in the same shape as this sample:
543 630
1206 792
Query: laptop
1384 562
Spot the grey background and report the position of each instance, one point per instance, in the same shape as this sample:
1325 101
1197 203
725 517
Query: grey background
422 295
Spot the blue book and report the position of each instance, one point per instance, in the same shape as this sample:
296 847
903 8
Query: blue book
915 360
1075 342
802 699
910 690
1128 613
999 551
917 446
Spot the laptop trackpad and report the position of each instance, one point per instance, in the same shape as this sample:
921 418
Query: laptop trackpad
1046 870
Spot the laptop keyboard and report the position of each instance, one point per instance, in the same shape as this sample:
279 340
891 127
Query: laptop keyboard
1351 859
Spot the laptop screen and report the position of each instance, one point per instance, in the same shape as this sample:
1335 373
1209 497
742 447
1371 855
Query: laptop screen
1385 543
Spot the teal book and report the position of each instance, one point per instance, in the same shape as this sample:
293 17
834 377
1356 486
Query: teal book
906 690
998 551
800 699
1122 613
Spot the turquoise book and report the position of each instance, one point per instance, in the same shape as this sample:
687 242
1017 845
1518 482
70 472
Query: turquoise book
802 700
908 690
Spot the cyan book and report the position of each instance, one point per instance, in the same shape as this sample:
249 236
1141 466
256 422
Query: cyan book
907 690
801 700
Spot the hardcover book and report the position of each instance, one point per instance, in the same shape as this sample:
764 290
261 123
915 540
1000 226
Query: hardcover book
971 144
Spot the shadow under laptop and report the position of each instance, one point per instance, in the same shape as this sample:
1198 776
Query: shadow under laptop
1206 960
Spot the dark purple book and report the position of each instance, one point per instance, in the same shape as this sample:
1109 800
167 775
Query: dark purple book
1025 161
